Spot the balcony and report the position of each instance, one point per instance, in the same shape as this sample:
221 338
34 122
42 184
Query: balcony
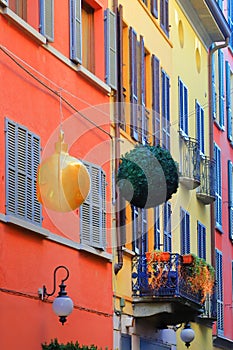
206 190
190 163
163 291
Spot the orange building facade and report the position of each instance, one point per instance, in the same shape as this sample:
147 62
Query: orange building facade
52 73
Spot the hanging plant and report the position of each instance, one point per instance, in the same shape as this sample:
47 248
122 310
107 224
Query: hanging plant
147 176
55 345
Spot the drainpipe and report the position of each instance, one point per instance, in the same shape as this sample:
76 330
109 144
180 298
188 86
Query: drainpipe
213 48
119 264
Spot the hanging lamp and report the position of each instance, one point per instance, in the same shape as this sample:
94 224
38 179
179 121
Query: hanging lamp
63 182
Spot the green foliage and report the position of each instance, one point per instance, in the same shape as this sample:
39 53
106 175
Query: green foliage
54 345
147 176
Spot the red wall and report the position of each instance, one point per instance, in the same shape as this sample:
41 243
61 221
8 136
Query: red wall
27 259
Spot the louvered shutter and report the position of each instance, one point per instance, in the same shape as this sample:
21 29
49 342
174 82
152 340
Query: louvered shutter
218 193
47 19
228 101
182 228
201 239
213 89
165 110
181 105
154 8
200 127
133 83
22 161
221 88
76 31
167 227
142 92
93 210
185 110
110 48
144 237
230 198
156 99
156 228
219 277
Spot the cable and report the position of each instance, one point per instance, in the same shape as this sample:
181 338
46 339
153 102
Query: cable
57 93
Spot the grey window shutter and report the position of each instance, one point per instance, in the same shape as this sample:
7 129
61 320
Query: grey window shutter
156 99
133 83
22 161
76 31
221 87
110 48
47 19
93 210
219 278
213 89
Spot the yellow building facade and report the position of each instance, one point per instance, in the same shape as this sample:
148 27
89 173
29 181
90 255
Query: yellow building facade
162 98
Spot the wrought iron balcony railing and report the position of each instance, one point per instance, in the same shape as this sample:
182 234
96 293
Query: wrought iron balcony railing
164 279
206 190
189 162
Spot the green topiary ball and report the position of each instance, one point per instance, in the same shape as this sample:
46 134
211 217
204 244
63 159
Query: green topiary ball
147 176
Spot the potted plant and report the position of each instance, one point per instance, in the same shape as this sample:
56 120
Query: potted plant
187 259
147 176
157 255
156 268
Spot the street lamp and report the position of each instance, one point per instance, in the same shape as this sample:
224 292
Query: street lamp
62 304
187 334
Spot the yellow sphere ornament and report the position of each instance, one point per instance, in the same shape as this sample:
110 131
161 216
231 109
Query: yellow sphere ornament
63 182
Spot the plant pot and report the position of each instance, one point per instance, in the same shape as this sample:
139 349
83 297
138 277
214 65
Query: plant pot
187 259
157 256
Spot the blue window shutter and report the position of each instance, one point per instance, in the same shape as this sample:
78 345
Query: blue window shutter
154 8
218 190
219 278
76 31
182 231
200 127
133 83
110 48
201 232
185 110
221 88
156 99
228 101
93 210
167 244
22 161
230 198
47 19
165 110
181 104
213 89
156 228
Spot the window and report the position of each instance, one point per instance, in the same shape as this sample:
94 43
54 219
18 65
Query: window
157 244
230 198
93 210
218 189
165 110
47 19
154 8
184 231
183 108
200 127
82 34
139 221
164 16
229 101
110 48
19 7
167 238
201 240
219 278
126 341
230 21
156 99
22 161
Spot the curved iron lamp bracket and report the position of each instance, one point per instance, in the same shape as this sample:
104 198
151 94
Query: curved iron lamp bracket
45 293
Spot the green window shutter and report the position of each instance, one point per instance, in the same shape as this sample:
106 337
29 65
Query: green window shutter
76 31
93 210
228 102
22 161
110 48
230 198
47 19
